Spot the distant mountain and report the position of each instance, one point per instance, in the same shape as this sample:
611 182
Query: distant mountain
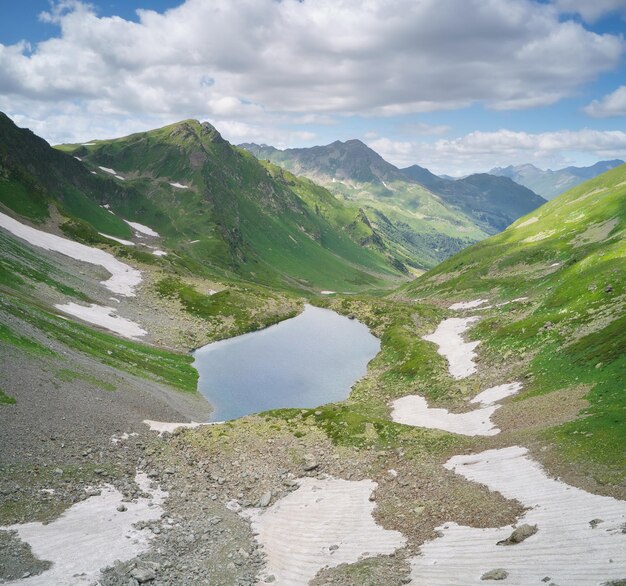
414 221
550 183
186 182
476 205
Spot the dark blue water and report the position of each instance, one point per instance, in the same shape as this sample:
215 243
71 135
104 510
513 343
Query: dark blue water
307 361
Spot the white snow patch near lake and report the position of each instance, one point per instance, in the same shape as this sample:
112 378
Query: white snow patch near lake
326 292
123 279
566 547
459 354
91 535
120 240
414 410
168 427
143 229
528 222
179 185
159 253
324 523
105 317
467 304
108 170
495 394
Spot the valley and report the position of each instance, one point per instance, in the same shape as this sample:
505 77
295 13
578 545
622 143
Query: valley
493 409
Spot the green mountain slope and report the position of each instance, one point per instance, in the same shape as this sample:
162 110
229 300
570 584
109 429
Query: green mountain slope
34 175
551 183
568 258
493 202
218 207
414 209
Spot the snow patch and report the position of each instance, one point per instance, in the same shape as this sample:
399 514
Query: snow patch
166 426
179 185
88 144
467 304
123 279
91 534
567 547
159 253
324 523
108 170
528 222
414 410
120 240
460 354
326 292
77 158
143 229
495 394
105 317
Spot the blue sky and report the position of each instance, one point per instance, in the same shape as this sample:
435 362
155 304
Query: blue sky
454 85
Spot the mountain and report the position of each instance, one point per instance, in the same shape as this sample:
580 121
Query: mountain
494 202
407 204
251 219
550 183
565 264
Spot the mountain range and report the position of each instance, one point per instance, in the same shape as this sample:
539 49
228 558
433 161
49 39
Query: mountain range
503 363
550 183
429 216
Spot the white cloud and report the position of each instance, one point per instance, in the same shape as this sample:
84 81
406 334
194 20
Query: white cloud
611 105
481 151
592 10
251 60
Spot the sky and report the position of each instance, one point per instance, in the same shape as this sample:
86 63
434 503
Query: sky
457 86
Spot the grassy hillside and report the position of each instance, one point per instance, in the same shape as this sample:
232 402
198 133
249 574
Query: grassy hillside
430 217
218 207
569 258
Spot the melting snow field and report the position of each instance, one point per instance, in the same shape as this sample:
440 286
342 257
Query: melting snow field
324 523
120 240
467 304
165 426
123 279
567 547
414 410
179 185
105 317
460 354
143 229
92 534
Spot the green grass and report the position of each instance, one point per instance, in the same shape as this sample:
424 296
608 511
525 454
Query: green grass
67 375
573 330
145 361
6 399
78 205
24 199
8 336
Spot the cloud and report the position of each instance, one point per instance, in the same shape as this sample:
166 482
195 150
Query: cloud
249 60
611 105
481 151
592 10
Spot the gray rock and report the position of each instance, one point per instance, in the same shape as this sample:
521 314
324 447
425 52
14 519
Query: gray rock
520 534
265 499
595 522
497 574
143 574
122 508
